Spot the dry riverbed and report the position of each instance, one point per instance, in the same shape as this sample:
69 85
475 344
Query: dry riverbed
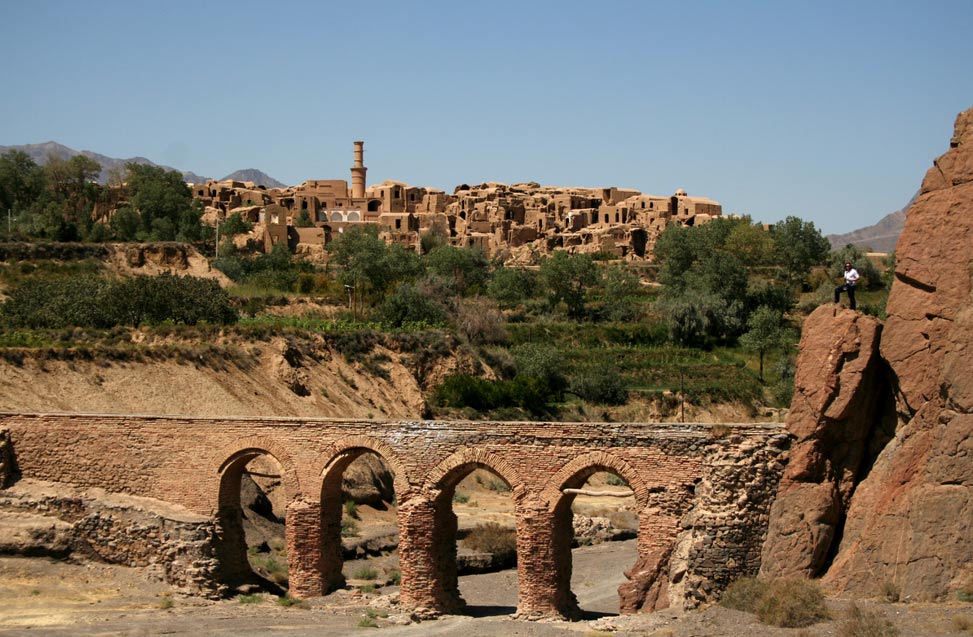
51 598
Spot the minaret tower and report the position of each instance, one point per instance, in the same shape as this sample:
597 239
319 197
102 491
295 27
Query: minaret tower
358 172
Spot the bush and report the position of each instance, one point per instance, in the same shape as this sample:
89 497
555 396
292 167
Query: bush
861 623
104 303
480 322
601 385
494 539
408 304
792 603
234 225
366 573
744 594
788 603
510 286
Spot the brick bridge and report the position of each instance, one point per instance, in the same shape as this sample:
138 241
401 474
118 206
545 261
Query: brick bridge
724 475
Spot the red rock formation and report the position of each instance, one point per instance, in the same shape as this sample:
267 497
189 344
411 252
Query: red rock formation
911 521
833 417
910 518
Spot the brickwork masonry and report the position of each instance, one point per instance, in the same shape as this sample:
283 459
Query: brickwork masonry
701 491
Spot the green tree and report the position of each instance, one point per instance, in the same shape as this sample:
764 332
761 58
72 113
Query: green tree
157 193
871 278
750 243
21 182
704 284
235 225
125 223
303 220
798 245
764 333
464 269
368 264
568 278
545 365
509 286
73 183
408 304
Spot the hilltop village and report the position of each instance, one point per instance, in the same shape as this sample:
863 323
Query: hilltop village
518 222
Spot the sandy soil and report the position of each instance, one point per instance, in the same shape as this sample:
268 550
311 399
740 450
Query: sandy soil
44 597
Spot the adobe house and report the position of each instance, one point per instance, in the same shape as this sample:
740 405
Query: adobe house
491 215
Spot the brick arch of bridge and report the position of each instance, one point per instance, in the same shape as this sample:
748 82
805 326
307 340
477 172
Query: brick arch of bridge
573 475
236 455
228 465
339 454
428 528
314 524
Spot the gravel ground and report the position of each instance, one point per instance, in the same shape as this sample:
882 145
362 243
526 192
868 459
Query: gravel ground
50 598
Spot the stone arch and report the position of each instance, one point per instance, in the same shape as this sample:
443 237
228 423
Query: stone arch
328 460
241 451
432 556
477 458
229 464
582 467
326 471
573 475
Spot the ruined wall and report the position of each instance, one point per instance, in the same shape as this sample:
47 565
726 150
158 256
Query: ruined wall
187 462
38 518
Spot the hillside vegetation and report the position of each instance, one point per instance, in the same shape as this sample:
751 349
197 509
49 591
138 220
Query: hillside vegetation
380 330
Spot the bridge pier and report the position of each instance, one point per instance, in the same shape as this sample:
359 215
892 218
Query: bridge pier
314 565
543 590
427 541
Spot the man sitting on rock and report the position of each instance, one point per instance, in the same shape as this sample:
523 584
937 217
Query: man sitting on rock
851 277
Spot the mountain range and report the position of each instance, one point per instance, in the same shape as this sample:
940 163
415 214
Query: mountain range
880 237
41 152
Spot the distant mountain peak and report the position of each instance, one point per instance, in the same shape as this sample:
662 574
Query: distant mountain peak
256 176
880 237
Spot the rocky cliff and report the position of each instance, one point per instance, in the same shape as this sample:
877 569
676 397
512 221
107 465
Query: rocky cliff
879 488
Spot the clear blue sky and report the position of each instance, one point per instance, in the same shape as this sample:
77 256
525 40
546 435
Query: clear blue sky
828 110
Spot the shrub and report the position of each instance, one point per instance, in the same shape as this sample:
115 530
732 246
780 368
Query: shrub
408 304
601 385
254 598
744 594
615 481
494 539
861 623
235 224
366 573
792 603
291 602
480 322
510 286
891 592
963 623
100 302
349 528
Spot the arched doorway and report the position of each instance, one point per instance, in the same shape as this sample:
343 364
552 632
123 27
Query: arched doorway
251 545
359 531
594 541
